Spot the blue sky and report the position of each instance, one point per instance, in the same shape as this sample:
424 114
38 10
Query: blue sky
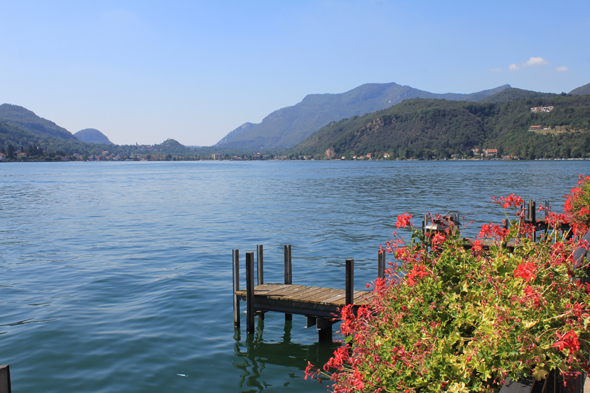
145 71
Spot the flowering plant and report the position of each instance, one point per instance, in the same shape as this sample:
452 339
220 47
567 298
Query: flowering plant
452 317
577 205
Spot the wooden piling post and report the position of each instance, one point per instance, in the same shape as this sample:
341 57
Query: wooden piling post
381 265
288 273
259 267
260 272
5 379
236 276
250 293
532 216
349 281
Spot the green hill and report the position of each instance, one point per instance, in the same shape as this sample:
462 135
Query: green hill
513 94
288 126
437 128
29 121
91 135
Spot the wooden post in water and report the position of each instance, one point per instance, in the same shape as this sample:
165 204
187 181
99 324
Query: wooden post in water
288 274
5 379
349 281
259 267
260 272
250 293
236 274
381 265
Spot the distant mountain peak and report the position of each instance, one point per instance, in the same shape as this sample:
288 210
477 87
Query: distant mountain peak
288 126
581 90
92 135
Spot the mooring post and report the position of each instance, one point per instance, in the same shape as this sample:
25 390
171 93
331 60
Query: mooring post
260 272
5 379
259 260
250 293
349 281
236 275
288 274
381 264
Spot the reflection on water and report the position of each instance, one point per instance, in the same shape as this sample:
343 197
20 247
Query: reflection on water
254 354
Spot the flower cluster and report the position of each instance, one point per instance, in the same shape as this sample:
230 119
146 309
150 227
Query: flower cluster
577 205
451 318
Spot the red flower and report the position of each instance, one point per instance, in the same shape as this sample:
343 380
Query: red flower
477 246
526 271
492 230
509 201
403 220
567 341
417 272
554 220
438 239
357 381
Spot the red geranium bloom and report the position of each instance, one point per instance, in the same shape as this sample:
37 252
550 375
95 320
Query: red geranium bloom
526 271
403 220
567 341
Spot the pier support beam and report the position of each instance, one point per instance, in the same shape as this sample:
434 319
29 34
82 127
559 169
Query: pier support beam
250 310
236 276
5 379
324 329
288 274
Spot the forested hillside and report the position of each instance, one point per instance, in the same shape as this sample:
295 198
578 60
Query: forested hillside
513 94
437 128
29 121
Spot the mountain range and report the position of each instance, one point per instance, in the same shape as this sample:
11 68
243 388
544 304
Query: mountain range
515 122
286 127
345 119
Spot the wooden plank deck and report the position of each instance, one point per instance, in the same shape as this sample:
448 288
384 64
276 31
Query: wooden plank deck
299 299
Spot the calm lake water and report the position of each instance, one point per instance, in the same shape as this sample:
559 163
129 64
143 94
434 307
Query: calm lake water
116 277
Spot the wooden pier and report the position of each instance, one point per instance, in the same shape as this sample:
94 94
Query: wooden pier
321 306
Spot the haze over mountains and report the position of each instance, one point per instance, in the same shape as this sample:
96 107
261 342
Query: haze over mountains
286 127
